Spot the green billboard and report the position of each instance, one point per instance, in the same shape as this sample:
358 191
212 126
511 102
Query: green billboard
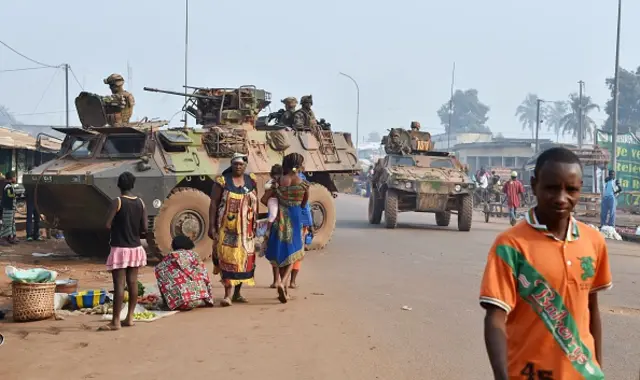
628 165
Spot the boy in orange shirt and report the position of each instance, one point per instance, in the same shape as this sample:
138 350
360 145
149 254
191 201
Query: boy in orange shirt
541 281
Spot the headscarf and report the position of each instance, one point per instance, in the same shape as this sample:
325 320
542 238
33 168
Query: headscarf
239 157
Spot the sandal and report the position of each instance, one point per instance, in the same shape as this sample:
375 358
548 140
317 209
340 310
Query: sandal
282 295
225 302
108 327
240 299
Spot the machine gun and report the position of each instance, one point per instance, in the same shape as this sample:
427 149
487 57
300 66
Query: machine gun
223 106
322 124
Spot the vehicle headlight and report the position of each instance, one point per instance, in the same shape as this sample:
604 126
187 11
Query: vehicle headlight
407 185
457 188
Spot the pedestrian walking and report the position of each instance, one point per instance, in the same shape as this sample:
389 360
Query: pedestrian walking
233 225
286 243
541 283
609 202
8 231
127 222
514 190
33 217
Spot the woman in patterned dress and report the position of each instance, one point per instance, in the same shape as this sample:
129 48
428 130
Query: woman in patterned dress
232 226
286 243
182 278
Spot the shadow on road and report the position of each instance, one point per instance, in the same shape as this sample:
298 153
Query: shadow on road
363 224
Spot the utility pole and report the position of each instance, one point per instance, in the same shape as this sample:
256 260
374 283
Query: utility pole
616 82
580 117
357 108
453 79
66 91
538 101
186 50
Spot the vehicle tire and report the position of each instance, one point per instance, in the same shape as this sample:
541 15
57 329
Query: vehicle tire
375 207
391 209
184 212
323 214
88 243
465 213
443 218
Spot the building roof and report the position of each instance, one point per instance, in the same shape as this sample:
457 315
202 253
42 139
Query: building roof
12 138
502 143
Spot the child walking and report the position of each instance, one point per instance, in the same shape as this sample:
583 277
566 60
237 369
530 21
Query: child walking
127 221
272 206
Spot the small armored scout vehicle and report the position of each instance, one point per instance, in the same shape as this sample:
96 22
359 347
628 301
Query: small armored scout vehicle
413 177
175 168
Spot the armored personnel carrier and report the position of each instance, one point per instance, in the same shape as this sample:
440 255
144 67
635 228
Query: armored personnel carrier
176 167
414 177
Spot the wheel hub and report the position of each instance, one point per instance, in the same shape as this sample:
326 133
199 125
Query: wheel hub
318 213
188 223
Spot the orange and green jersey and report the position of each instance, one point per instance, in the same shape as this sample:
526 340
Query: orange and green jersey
544 284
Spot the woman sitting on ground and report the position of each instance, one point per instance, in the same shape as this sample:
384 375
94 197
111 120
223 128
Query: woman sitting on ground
182 278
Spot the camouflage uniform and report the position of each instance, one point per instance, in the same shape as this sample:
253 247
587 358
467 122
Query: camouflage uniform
288 117
119 105
304 118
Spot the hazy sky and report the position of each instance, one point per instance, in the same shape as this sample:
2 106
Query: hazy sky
400 52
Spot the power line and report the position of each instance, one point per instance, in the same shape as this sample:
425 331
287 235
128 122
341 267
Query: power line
76 78
45 90
24 69
27 58
42 113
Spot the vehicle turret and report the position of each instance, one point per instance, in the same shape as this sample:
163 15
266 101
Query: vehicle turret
402 141
223 107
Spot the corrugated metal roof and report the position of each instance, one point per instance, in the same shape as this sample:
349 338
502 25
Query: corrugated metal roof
12 138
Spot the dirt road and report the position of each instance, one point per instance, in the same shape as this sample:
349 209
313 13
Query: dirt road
346 323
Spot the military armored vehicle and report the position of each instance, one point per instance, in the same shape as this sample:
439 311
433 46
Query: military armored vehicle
176 167
414 177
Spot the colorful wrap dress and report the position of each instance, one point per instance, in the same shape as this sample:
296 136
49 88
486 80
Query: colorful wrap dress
234 251
286 243
183 281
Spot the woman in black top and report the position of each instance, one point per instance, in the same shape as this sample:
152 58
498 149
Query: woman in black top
127 221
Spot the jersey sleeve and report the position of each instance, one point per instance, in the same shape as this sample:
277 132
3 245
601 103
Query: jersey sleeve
498 287
602 279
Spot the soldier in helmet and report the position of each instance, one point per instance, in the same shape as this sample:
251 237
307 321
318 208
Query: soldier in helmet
415 125
120 103
304 118
287 118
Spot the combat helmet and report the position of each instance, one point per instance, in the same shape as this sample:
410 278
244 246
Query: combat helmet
307 99
415 125
289 100
116 79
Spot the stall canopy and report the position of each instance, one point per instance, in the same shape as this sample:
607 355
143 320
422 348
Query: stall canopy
15 139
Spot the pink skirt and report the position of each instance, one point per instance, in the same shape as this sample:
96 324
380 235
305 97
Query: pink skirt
121 258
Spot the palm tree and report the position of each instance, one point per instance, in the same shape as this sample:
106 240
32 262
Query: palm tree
570 122
526 113
555 112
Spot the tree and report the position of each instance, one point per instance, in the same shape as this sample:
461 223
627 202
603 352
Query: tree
374 137
571 123
628 102
468 113
527 111
554 112
498 136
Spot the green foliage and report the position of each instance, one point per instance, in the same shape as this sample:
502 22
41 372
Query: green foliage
527 111
570 122
628 102
468 113
554 112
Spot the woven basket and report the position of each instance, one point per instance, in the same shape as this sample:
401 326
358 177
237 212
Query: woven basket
32 302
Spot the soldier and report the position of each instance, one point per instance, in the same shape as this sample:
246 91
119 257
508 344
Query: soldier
120 102
415 125
287 118
304 118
